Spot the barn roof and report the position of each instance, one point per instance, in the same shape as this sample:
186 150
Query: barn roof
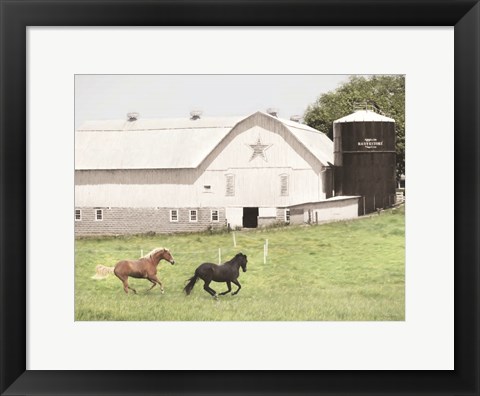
318 143
155 124
171 143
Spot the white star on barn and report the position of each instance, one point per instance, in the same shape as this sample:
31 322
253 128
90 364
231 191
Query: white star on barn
259 149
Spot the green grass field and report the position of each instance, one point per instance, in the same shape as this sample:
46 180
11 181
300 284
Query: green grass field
344 271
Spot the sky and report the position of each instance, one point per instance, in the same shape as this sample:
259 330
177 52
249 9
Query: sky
102 97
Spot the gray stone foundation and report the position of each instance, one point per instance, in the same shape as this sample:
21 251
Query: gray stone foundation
123 221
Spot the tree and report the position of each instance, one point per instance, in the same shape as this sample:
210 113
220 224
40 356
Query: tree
385 92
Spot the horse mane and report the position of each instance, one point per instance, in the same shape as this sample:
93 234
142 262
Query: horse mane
234 258
150 254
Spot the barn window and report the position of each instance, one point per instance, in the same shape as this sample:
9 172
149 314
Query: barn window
98 214
283 185
207 188
215 215
78 215
193 216
174 215
230 185
287 216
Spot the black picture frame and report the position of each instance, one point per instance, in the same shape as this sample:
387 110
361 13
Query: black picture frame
17 15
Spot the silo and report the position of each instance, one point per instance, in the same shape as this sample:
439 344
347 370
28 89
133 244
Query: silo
364 159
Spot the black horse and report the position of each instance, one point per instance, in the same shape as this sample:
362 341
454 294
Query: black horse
227 272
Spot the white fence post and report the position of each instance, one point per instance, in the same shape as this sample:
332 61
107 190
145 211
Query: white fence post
141 252
264 256
219 256
234 240
266 244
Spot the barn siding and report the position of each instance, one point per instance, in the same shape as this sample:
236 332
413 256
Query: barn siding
119 221
256 187
136 176
257 182
279 153
257 122
341 208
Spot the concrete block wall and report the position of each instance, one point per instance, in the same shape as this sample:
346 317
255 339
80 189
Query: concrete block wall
265 221
279 218
280 215
297 216
123 221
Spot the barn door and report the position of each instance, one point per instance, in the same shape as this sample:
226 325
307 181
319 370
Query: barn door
250 217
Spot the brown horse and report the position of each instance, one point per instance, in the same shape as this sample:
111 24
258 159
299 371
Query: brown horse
144 268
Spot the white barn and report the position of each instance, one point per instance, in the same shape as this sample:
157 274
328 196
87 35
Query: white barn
192 174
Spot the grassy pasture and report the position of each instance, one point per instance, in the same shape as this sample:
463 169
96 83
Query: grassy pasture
344 271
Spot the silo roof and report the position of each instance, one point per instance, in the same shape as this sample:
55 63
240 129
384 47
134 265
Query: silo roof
364 116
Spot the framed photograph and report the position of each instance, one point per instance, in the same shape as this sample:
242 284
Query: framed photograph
206 195
69 326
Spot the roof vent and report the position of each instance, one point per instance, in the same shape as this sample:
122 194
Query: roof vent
195 114
295 118
132 116
272 111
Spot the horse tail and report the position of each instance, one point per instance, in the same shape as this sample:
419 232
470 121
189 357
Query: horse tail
101 271
191 282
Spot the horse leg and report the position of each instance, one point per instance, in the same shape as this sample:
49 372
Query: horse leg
126 286
239 286
208 289
153 284
207 277
155 280
229 285
124 280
